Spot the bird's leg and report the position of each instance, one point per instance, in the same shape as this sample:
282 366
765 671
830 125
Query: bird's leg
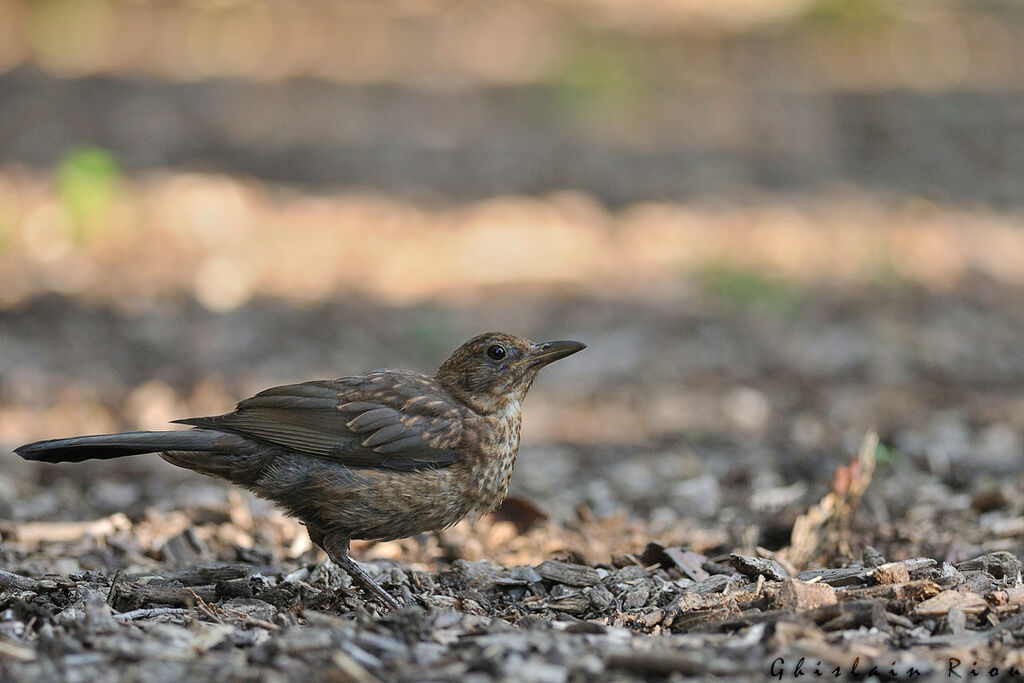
337 549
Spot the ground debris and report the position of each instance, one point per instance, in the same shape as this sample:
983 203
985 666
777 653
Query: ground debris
796 594
944 602
568 574
892 572
557 620
1000 565
753 567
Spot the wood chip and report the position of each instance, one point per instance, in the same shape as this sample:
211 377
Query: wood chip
56 532
13 651
715 619
796 594
11 581
1000 565
716 583
126 596
568 573
938 606
689 602
917 564
150 613
658 663
1009 597
184 548
892 572
842 576
916 590
576 603
759 566
689 561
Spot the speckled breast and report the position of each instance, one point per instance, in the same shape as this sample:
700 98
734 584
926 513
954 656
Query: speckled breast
495 472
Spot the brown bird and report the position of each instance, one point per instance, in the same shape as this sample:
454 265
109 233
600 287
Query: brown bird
378 456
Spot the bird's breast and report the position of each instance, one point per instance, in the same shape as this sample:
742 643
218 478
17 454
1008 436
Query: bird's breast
494 464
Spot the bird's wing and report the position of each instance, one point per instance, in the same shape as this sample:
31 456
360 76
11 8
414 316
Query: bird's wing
379 419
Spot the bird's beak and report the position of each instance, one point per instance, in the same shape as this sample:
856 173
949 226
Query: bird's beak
548 352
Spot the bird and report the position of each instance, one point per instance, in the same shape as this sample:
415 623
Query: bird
383 455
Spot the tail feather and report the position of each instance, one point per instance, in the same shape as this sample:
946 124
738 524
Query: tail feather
106 446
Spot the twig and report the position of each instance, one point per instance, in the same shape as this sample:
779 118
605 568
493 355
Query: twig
822 530
205 607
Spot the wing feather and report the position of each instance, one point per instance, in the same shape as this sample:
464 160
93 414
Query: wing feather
386 434
373 419
332 419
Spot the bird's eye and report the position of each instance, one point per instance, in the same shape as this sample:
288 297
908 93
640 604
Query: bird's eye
496 352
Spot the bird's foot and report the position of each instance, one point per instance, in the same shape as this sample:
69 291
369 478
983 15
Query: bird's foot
337 550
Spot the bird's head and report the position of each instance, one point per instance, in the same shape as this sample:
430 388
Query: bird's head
493 370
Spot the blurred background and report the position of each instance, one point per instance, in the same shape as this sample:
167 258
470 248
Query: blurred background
777 224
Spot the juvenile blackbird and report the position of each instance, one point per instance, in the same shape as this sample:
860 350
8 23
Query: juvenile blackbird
378 456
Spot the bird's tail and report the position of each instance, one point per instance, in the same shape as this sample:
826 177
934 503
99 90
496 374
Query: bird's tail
106 446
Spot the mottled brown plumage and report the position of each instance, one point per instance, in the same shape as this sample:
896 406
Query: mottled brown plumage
382 455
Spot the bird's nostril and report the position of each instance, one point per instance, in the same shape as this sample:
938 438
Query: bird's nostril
545 347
